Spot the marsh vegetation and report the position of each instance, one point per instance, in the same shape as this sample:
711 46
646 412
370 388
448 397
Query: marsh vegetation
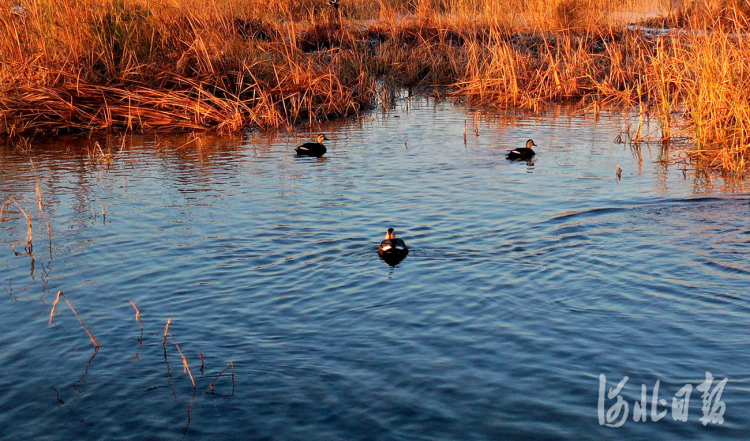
234 65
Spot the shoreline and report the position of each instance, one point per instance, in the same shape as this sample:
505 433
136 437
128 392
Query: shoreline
228 74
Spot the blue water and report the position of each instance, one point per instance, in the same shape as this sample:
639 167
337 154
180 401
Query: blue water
525 283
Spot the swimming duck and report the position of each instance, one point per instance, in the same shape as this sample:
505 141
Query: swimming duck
316 149
391 247
523 153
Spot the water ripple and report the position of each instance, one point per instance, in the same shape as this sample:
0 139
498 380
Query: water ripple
522 285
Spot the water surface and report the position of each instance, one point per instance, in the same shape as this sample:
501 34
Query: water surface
525 283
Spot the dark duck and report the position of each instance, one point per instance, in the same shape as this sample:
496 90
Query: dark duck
316 149
523 153
392 250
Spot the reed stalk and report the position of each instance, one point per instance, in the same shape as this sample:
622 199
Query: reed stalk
166 332
185 366
211 386
137 315
29 223
52 316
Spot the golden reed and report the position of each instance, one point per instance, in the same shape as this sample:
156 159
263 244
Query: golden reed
231 65
52 316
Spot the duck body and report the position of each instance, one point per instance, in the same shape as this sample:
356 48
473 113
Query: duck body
316 149
523 153
392 249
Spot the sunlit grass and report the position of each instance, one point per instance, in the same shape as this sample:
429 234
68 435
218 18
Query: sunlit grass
232 65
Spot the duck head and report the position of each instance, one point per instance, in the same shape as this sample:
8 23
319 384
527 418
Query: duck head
530 143
390 234
321 138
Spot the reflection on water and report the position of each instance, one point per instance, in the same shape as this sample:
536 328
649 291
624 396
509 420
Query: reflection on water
524 282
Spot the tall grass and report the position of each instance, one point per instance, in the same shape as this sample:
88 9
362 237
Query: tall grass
230 65
132 65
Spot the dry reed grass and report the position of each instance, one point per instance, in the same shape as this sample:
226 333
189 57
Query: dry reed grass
29 247
185 366
137 314
167 334
54 308
29 243
138 319
42 212
230 65
211 386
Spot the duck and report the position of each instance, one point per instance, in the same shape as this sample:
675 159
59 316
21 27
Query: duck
316 149
392 248
523 153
